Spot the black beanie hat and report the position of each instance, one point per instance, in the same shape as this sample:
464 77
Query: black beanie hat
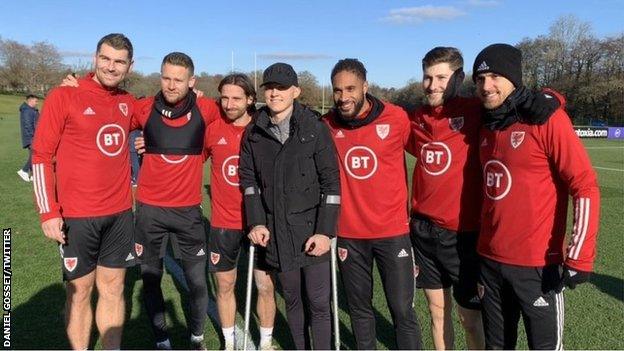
502 59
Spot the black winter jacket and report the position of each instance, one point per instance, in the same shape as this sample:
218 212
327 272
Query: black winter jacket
28 121
294 188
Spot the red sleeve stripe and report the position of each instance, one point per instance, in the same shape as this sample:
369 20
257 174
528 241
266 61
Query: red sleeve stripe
581 223
40 188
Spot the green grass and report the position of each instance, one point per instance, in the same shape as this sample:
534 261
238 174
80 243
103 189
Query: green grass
594 312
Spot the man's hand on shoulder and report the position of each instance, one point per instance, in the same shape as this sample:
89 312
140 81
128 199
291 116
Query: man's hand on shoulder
139 144
71 80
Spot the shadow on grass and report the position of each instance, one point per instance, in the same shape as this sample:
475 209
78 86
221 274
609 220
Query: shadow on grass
609 285
137 331
39 323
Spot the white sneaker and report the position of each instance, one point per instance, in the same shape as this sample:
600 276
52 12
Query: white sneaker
24 175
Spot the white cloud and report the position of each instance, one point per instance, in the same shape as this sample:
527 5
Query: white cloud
419 14
483 3
293 56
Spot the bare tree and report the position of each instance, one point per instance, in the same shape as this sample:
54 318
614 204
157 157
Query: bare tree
310 90
14 58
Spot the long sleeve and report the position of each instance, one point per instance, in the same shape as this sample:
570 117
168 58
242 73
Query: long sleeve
329 180
411 144
27 120
47 137
574 166
254 210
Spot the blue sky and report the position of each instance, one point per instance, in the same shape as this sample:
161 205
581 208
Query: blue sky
390 36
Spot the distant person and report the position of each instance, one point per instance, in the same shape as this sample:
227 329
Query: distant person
29 114
81 175
529 173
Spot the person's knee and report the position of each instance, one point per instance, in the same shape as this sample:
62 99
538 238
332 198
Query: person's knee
266 290
151 275
79 293
320 306
195 274
197 284
110 287
225 286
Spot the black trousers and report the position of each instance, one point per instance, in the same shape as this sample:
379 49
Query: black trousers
396 266
534 293
28 165
195 275
308 286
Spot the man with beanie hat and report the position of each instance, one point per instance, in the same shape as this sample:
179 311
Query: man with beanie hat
531 161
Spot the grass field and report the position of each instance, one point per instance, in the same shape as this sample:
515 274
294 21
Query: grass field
594 311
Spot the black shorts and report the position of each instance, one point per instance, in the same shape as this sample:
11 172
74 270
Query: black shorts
224 246
445 258
182 226
105 241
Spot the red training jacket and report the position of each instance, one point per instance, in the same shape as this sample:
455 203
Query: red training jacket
81 165
223 144
528 172
446 183
373 175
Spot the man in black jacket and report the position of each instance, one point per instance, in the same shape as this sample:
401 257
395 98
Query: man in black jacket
289 175
28 119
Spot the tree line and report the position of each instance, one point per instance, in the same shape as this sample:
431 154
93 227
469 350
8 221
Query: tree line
588 70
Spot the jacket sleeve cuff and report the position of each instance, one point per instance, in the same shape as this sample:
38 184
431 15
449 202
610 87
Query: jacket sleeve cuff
254 210
578 265
47 216
327 219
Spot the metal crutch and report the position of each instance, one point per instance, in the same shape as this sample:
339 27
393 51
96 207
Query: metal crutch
334 282
250 268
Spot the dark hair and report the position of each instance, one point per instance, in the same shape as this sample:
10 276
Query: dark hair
242 81
351 65
443 54
117 41
31 96
179 59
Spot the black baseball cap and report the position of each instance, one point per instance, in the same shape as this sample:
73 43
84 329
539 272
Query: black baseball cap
280 73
